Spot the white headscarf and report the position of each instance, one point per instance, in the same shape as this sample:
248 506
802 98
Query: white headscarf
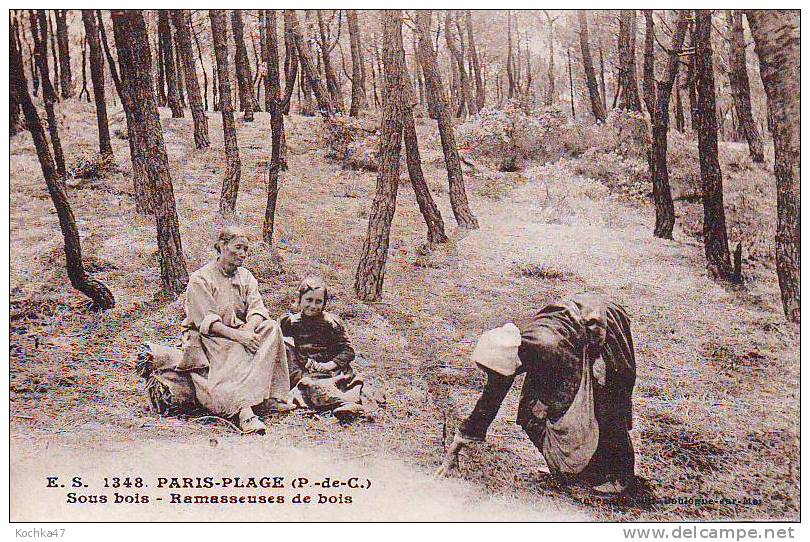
497 349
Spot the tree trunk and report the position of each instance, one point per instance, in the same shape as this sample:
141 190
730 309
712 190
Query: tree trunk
480 93
308 67
136 76
243 80
214 82
52 37
276 124
64 53
332 84
430 212
715 237
161 74
39 30
433 83
79 279
202 64
627 62
97 75
290 65
458 56
368 282
690 80
740 88
550 91
597 107
178 62
108 54
648 79
358 90
679 119
233 168
180 19
602 86
662 194
571 84
510 64
776 37
170 72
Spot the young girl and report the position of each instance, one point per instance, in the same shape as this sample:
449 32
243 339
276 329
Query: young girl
317 342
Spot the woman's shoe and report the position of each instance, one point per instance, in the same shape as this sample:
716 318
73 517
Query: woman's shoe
274 406
253 425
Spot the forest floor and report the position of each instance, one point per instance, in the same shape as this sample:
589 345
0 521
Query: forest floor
717 395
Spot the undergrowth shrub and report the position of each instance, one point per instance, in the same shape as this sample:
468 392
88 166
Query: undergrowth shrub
352 141
92 166
510 136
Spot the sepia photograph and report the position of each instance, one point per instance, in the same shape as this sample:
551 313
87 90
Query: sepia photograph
405 265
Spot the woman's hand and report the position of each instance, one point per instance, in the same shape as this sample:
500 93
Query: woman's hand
315 367
450 462
250 340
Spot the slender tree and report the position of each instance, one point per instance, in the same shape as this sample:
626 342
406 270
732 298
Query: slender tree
433 84
510 62
193 33
57 79
740 88
308 67
180 19
680 121
108 54
358 84
368 282
132 44
777 44
169 70
430 212
79 279
597 107
243 80
39 31
233 168
64 53
97 75
161 71
332 83
178 62
276 124
550 91
458 56
628 85
16 123
480 93
662 194
84 90
715 236
648 71
290 65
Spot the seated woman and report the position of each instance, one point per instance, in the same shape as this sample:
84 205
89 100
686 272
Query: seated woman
317 340
576 401
236 343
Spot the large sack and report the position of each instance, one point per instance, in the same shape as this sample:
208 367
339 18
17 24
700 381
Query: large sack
170 391
570 442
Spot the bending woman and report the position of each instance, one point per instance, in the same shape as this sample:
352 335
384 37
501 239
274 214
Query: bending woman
232 334
576 402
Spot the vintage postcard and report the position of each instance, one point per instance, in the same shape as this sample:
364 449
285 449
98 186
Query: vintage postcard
404 265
